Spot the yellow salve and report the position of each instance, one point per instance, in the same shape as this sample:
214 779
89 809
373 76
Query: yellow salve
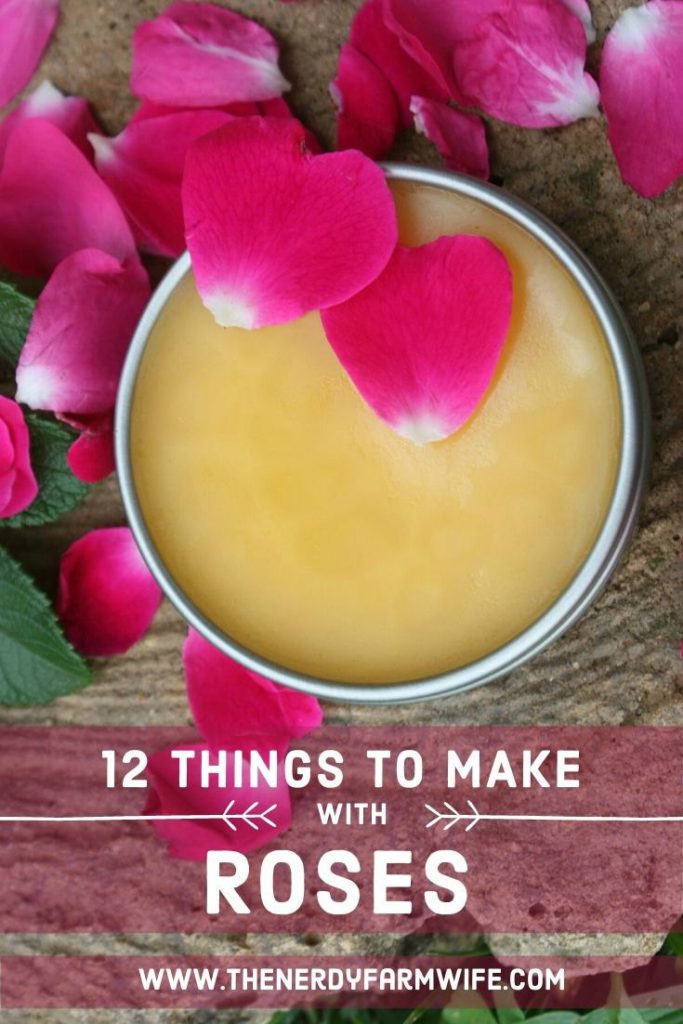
309 532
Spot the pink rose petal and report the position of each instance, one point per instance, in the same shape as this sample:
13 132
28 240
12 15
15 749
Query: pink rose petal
143 166
71 114
372 35
18 486
367 109
641 81
91 456
525 64
25 30
583 12
275 232
421 343
459 137
229 703
53 203
107 597
202 55
80 332
191 840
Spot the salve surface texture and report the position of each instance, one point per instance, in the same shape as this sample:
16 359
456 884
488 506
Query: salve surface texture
314 536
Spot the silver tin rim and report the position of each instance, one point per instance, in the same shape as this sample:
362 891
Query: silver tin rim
588 583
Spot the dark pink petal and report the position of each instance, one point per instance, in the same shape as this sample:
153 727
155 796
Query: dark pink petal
107 597
80 332
525 64
202 55
229 703
583 12
191 840
53 203
421 343
641 81
459 137
372 35
91 456
275 232
25 30
71 114
367 109
18 485
143 166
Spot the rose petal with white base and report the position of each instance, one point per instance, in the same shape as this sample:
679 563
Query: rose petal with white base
107 597
53 203
275 232
71 114
202 55
641 81
422 342
25 30
367 109
80 332
143 167
583 12
524 64
459 137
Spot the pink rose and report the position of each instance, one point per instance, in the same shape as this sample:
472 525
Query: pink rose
18 486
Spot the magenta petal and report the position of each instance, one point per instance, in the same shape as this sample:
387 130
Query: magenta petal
91 456
191 840
583 12
367 109
274 232
459 137
71 114
143 166
80 332
202 55
641 81
25 30
525 64
107 597
372 35
421 343
18 486
229 703
53 203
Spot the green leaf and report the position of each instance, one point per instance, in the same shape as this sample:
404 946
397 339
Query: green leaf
60 491
36 662
16 311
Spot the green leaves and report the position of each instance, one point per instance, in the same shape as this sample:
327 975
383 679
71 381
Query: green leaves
16 311
36 662
60 491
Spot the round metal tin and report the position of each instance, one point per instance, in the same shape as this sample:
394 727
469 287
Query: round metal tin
589 581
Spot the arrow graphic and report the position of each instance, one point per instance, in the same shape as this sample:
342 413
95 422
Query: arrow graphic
451 817
250 816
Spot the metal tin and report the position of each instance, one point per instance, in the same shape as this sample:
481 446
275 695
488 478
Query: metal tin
589 581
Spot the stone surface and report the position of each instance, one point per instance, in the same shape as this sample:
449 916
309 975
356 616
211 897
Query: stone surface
621 664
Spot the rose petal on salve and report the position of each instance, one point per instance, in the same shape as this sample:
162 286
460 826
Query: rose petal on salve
107 597
79 335
273 231
18 485
641 81
53 203
421 343
459 137
525 64
202 55
71 114
25 30
229 702
91 456
143 167
269 808
372 36
367 109
583 12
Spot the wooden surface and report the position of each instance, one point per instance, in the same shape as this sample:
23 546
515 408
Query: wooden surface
621 663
